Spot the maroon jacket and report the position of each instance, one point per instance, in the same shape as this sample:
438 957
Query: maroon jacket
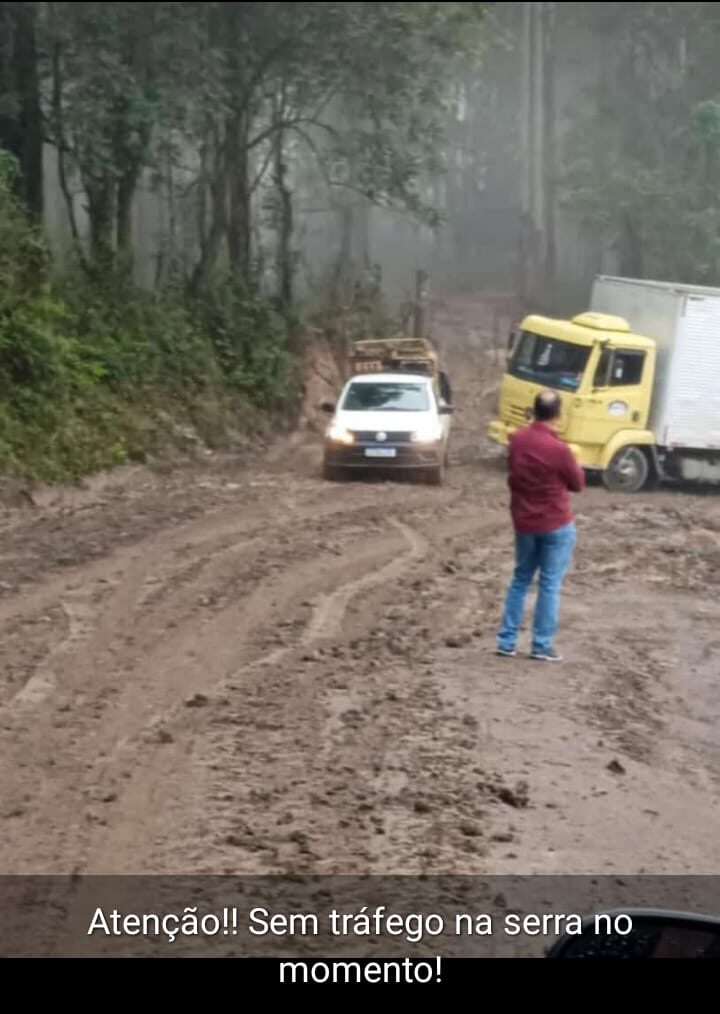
543 474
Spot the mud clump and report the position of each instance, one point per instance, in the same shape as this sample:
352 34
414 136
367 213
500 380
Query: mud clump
517 798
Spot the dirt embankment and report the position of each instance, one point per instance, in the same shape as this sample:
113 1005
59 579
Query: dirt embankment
239 669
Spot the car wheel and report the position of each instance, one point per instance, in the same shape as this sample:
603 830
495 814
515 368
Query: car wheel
332 474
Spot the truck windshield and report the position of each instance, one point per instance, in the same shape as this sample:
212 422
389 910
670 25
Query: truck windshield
552 363
385 397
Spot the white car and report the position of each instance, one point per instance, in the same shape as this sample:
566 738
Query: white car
389 421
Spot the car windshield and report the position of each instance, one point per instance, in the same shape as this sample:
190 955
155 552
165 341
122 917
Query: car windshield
549 362
387 397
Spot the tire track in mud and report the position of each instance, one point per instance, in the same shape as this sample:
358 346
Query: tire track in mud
133 739
265 729
327 621
49 753
143 755
137 582
44 682
209 537
127 748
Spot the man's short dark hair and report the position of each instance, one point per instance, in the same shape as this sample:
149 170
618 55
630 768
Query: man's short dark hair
548 407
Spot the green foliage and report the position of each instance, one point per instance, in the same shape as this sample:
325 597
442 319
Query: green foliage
250 341
137 342
32 349
120 74
642 165
9 168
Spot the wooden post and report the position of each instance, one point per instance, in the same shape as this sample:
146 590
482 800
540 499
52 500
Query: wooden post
422 303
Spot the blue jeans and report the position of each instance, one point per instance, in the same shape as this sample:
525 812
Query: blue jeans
551 556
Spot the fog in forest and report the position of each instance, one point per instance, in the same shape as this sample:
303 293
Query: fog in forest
578 138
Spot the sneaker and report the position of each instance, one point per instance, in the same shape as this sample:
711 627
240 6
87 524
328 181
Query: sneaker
506 653
546 656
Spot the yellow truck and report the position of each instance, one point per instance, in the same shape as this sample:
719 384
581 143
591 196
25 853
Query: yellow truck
639 376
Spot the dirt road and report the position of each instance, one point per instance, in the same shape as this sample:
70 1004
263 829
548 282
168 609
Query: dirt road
242 670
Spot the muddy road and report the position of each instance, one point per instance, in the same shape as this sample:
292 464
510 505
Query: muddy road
239 669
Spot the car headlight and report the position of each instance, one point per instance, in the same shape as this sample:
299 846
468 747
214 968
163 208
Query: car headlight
431 434
339 435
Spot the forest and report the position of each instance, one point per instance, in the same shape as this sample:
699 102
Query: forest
187 190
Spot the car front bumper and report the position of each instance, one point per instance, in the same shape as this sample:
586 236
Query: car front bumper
407 456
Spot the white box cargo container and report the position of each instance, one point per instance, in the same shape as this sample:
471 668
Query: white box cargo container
684 321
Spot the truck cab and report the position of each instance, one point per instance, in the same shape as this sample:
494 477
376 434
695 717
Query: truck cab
605 375
639 378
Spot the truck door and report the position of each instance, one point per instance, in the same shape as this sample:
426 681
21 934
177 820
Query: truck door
621 395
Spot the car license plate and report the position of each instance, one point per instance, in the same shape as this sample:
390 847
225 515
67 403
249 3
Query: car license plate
381 452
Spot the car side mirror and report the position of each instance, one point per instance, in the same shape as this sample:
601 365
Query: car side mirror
642 936
328 408
447 410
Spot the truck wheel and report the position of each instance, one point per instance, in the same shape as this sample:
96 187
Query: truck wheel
629 471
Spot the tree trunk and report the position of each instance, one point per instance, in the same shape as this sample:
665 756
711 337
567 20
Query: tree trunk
202 203
126 190
31 157
172 230
343 266
58 126
539 124
218 231
213 195
101 210
527 105
240 224
532 254
21 133
422 305
131 167
550 162
632 253
284 226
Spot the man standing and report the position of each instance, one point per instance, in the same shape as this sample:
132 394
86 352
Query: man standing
543 474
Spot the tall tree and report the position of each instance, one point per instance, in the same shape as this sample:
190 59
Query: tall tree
21 130
117 76
360 87
642 158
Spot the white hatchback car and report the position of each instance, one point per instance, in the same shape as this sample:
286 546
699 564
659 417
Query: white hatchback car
389 421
